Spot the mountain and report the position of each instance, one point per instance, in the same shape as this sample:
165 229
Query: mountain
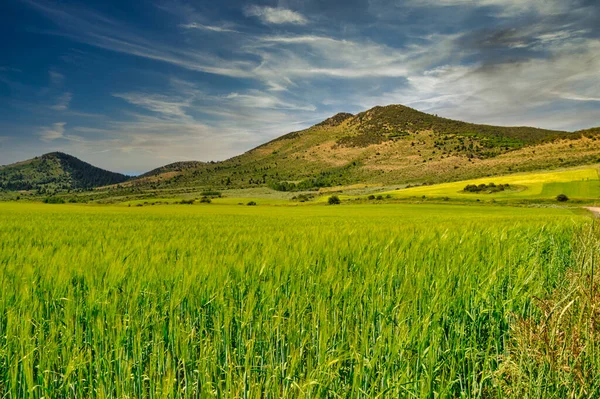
386 145
55 171
174 167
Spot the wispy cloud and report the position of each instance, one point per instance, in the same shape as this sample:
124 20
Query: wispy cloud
490 61
277 16
95 29
257 99
56 78
506 8
209 28
508 93
63 102
54 132
163 105
9 69
576 97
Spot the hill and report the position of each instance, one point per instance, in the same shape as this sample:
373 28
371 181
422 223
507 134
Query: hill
55 171
174 167
387 145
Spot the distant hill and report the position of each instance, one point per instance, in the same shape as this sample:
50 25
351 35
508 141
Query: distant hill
384 145
55 171
388 145
173 167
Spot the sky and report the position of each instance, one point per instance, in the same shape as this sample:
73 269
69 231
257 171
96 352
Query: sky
133 85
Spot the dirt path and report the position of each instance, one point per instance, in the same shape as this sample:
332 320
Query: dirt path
595 210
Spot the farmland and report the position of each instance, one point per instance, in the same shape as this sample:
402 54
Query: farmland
395 300
582 184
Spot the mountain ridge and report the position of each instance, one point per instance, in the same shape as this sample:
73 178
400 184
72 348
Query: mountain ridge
55 171
391 144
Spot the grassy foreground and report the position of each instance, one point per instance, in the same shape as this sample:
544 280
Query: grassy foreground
253 302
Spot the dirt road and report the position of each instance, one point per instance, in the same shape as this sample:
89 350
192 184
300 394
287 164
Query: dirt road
595 210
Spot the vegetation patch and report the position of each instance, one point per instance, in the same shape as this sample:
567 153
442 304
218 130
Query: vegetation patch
369 301
334 200
303 197
486 188
553 352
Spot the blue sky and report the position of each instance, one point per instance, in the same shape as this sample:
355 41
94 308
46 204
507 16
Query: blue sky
133 85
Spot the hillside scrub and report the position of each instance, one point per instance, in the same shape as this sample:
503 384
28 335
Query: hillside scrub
334 200
488 188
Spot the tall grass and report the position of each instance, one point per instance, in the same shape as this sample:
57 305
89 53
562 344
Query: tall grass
554 352
251 302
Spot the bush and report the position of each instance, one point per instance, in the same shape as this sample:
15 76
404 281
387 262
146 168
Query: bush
211 193
205 200
334 200
562 198
54 200
251 203
371 197
186 202
379 197
302 198
489 188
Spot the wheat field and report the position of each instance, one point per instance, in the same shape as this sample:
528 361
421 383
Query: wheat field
269 302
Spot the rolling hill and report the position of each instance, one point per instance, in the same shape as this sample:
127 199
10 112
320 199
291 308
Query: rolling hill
53 172
385 145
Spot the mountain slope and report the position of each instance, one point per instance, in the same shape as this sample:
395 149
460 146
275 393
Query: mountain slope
55 171
173 167
389 145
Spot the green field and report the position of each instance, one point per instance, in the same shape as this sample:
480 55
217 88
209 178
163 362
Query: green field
582 184
269 302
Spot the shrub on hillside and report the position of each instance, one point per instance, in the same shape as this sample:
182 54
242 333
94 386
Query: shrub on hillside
489 188
205 200
334 200
303 197
562 198
54 200
211 193
251 203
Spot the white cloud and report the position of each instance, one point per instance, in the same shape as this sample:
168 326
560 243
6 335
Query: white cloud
56 79
210 28
507 8
54 132
576 97
164 105
96 30
276 16
515 93
63 102
257 99
297 80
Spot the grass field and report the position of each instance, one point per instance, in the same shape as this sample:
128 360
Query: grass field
577 184
581 185
269 302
